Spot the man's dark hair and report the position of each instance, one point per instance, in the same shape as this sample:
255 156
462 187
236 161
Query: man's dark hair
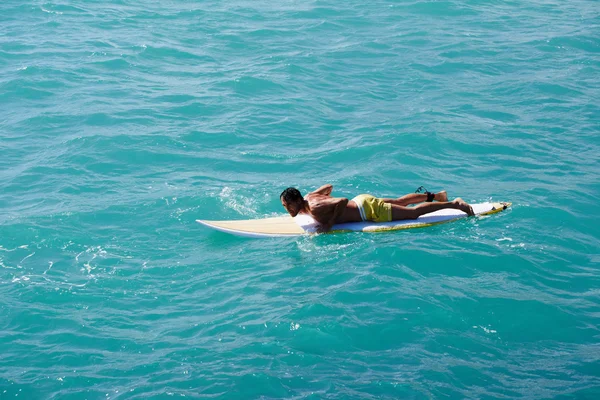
291 195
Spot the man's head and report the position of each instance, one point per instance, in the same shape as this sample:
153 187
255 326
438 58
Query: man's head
292 201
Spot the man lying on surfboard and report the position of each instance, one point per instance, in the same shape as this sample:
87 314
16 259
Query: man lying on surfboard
327 210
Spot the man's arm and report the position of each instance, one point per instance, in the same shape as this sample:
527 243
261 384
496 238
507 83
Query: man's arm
325 190
337 212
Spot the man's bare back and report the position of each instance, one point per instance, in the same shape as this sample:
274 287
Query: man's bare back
327 210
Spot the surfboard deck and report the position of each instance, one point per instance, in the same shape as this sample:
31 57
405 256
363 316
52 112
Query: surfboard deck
286 226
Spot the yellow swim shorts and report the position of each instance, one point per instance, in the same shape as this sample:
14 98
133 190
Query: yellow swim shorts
373 209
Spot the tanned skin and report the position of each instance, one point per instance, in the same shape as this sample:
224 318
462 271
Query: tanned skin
327 210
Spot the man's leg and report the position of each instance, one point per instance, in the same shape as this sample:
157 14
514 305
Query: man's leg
400 212
415 198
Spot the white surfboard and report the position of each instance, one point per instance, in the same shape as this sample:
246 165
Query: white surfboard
304 224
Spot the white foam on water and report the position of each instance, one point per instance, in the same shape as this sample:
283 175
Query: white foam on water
243 205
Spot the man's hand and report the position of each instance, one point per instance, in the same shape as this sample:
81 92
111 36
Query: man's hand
323 228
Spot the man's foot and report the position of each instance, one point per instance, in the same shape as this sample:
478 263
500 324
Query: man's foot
441 196
463 206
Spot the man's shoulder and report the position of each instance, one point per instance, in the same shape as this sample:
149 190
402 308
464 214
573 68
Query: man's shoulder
313 195
318 196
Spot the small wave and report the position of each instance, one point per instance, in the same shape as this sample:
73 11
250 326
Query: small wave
485 329
50 11
241 204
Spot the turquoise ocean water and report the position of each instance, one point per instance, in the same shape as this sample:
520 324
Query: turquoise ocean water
122 122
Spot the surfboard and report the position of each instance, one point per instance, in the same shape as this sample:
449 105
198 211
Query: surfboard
303 224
